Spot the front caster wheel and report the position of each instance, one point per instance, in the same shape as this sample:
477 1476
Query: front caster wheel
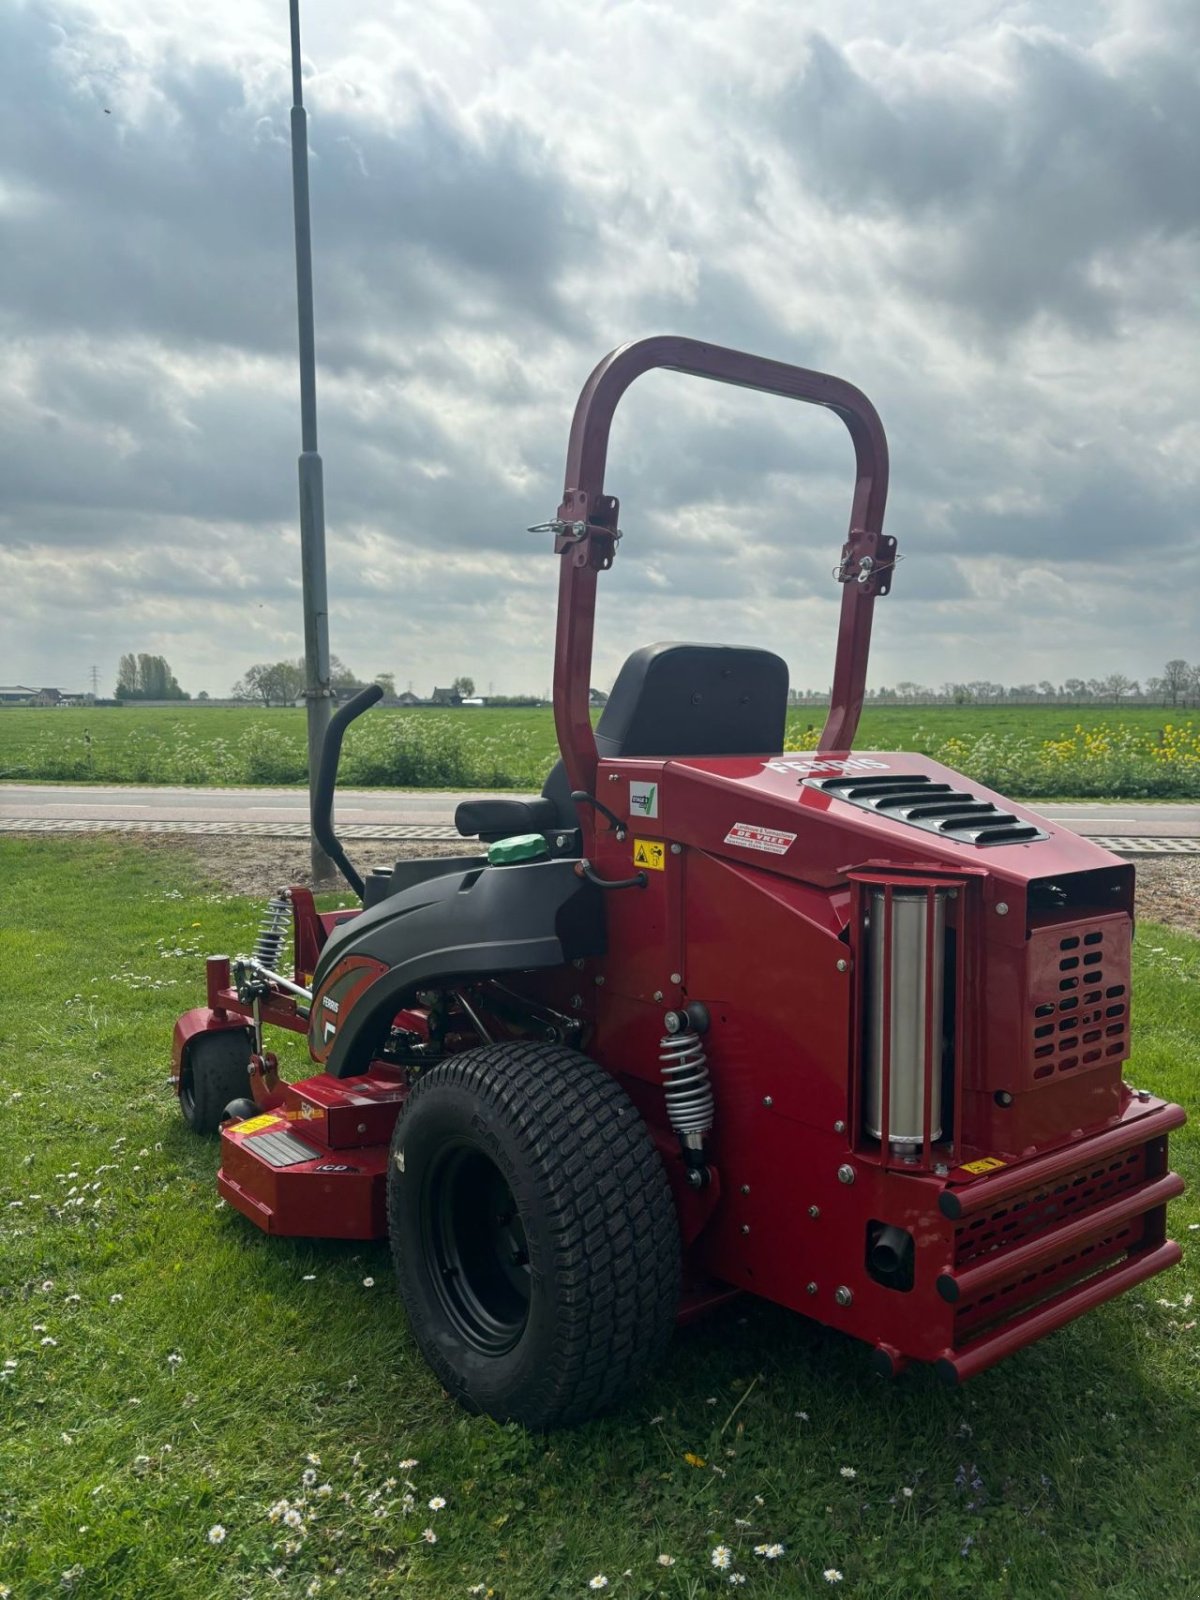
216 1070
534 1233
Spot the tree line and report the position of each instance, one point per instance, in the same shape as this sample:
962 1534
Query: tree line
1177 688
146 677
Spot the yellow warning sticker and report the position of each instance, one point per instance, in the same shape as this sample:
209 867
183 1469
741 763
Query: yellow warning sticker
650 853
256 1124
987 1164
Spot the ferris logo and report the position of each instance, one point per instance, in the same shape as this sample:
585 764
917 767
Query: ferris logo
826 764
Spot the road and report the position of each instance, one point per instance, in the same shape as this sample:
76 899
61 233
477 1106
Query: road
426 813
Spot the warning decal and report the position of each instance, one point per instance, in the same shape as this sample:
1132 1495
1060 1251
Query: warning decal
986 1164
256 1124
650 853
751 837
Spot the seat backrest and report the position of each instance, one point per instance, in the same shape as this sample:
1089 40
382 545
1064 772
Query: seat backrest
688 700
696 700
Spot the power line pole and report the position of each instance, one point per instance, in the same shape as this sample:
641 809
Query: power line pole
318 691
95 680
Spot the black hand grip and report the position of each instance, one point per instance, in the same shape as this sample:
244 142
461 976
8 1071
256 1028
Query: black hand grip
322 798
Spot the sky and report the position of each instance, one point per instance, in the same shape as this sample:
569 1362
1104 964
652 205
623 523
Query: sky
985 215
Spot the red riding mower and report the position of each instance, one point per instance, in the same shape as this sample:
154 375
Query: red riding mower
842 1030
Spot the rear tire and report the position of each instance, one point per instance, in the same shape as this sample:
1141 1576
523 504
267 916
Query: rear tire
534 1233
215 1070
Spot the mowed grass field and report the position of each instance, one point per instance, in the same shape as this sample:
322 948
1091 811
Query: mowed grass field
1021 750
190 1410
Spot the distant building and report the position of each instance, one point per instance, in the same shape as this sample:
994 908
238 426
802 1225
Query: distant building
18 694
445 697
408 698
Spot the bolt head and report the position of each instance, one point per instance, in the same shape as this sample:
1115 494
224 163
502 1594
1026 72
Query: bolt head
846 1173
614 777
843 965
839 1126
599 980
814 1211
745 1189
810 1288
676 849
941 1170
560 839
576 1002
745 1227
843 1295
768 1100
1001 908
658 994
677 977
362 1127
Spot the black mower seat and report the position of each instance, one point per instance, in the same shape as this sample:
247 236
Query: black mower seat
668 700
499 819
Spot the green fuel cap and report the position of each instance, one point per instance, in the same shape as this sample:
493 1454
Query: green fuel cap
521 847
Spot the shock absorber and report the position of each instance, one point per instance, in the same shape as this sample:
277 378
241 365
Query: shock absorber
272 929
687 1088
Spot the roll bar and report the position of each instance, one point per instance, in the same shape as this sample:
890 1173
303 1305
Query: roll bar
322 800
586 526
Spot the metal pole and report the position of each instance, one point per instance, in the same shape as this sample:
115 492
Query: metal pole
318 691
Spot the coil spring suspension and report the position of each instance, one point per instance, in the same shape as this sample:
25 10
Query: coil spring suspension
272 929
686 1086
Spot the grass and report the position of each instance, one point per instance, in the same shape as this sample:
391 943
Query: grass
1069 1471
1026 751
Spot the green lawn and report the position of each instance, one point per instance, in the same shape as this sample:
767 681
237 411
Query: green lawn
498 748
168 1370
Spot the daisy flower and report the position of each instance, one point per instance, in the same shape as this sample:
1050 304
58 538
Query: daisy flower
848 1472
832 1575
721 1557
598 1582
429 1536
437 1503
216 1534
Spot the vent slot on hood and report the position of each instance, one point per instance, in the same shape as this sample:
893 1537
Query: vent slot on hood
936 807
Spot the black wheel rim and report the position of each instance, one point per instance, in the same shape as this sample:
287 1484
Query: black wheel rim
187 1089
475 1249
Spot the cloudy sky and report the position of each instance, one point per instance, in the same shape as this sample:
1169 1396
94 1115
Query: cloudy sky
984 214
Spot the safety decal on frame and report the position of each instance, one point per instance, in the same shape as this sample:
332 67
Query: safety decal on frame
752 837
650 853
643 798
257 1124
984 1164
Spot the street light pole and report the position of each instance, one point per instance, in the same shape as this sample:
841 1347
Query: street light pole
318 691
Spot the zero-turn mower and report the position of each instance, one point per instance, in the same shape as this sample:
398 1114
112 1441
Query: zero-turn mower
843 1030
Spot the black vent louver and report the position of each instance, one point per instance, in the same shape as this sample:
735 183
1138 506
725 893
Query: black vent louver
937 807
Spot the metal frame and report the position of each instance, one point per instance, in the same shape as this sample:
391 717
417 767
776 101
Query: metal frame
587 526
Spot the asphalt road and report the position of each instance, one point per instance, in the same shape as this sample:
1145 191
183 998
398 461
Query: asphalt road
71 806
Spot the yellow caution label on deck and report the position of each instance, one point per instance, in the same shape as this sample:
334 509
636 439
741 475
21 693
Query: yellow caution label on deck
650 853
256 1124
987 1164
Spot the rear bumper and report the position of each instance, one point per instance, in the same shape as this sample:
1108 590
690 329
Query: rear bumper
1036 1245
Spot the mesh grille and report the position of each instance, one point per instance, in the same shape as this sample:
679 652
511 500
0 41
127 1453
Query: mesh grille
1080 999
936 807
1028 1215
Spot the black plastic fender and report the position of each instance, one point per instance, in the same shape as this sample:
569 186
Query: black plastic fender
462 925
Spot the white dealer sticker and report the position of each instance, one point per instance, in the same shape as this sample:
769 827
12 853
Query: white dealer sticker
751 837
643 798
816 764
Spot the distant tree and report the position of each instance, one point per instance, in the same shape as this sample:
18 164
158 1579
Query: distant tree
1118 686
147 677
464 687
341 677
1046 689
387 682
272 682
203 695
1177 680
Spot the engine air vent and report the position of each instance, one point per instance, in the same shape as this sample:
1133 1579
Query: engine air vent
937 807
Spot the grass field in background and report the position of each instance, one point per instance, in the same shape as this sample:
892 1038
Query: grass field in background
167 1370
1025 751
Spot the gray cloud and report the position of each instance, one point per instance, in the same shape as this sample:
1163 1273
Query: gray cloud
992 230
